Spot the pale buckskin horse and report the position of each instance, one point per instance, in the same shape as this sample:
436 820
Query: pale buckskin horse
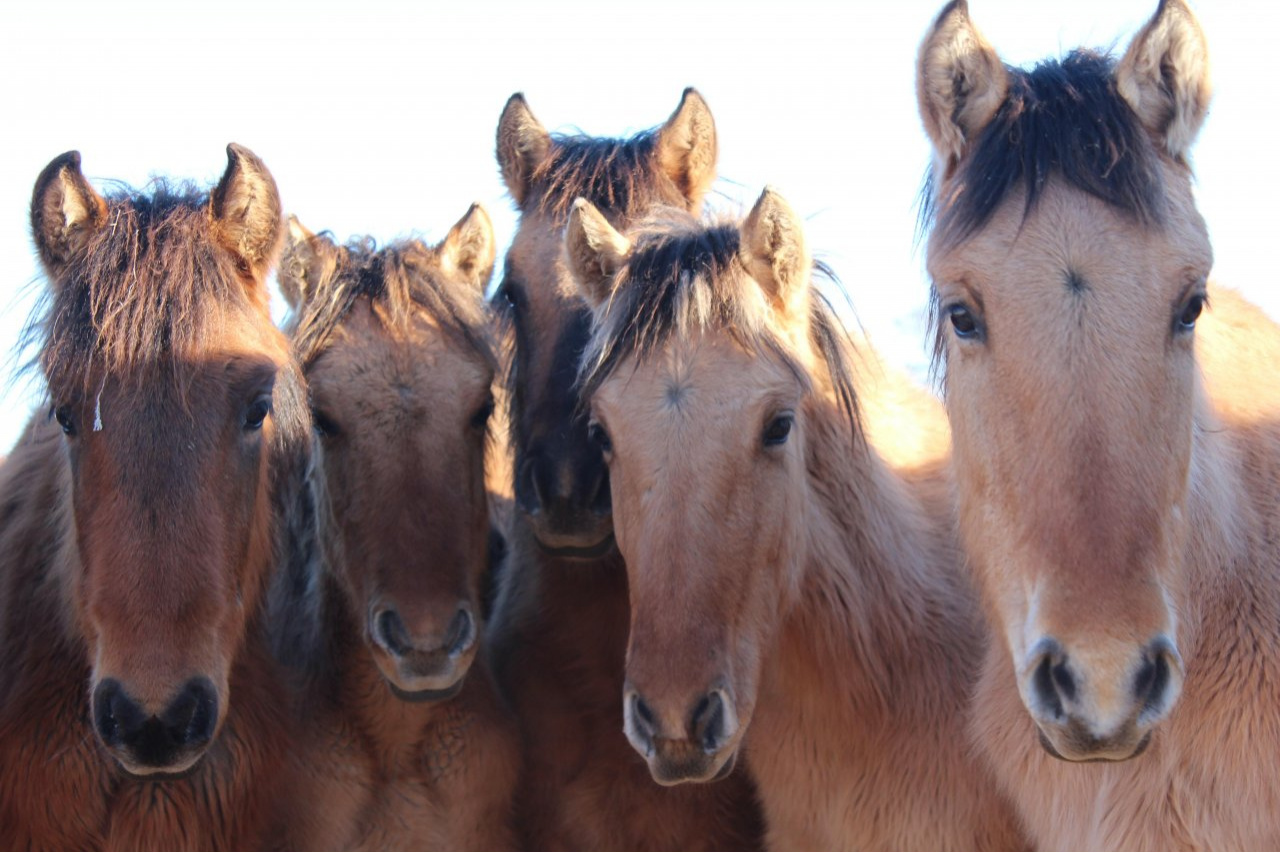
395 346
1117 453
794 597
144 514
559 629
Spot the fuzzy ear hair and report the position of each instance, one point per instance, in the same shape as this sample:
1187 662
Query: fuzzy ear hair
246 210
776 255
299 266
65 211
523 143
1164 77
960 83
468 249
687 148
595 250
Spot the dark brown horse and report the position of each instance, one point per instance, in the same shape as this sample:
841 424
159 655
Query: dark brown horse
142 516
395 346
560 625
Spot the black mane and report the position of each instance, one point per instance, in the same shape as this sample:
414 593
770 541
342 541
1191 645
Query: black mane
616 175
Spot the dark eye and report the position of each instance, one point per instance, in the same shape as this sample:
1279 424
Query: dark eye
481 418
778 430
509 294
63 416
256 413
963 321
1190 313
323 423
599 437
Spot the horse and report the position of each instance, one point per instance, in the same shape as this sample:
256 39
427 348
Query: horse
1117 447
144 515
395 346
794 597
558 634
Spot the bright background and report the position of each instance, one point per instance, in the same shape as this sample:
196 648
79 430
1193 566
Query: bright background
379 117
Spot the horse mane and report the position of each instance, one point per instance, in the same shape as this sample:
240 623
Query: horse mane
619 176
682 276
1065 118
150 286
399 280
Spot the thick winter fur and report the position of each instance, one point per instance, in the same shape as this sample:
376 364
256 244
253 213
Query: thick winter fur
1117 458
560 625
395 342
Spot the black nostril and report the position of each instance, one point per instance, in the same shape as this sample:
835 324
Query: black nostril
707 727
1152 682
646 723
1045 683
601 501
392 633
191 718
1063 680
461 632
115 715
527 494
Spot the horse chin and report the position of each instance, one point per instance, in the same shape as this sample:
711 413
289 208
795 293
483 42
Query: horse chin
1097 753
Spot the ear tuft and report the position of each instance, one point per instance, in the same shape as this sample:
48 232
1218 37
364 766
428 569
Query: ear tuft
298 266
687 147
1164 77
468 249
65 212
960 83
595 251
775 253
246 210
523 143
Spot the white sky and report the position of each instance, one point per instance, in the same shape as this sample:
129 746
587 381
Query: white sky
379 117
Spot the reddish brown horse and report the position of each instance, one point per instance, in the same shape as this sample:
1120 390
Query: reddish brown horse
794 597
560 625
395 346
142 517
1117 453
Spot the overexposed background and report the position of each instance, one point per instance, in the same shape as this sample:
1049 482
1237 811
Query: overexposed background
379 117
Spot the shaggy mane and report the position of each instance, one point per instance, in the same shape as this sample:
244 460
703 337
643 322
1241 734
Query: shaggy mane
617 175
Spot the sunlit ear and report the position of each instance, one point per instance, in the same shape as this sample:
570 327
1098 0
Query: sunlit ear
468 250
299 266
65 211
523 143
595 250
960 83
246 211
776 255
1164 76
687 147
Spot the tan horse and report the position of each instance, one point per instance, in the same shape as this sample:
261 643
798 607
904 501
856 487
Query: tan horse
140 706
793 596
395 346
560 623
1117 454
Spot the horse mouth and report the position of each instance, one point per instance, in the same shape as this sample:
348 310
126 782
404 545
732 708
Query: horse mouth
141 775
420 696
571 552
1093 759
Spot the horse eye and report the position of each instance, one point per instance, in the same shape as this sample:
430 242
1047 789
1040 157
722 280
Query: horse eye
509 294
481 418
599 436
963 321
257 413
323 424
778 430
62 415
1191 312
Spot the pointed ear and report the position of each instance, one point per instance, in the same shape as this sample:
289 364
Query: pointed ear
687 147
468 249
299 266
523 143
65 211
960 83
595 250
776 255
246 211
1164 76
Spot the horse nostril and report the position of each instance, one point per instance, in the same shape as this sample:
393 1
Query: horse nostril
114 714
709 726
192 717
392 634
642 714
1052 683
601 501
461 632
1152 682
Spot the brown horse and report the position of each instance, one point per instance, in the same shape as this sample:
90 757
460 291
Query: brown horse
793 597
1117 454
143 515
395 346
560 625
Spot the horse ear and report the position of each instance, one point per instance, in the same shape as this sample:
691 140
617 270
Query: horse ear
960 83
246 210
596 251
1164 77
65 211
299 266
687 147
775 253
468 249
523 143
